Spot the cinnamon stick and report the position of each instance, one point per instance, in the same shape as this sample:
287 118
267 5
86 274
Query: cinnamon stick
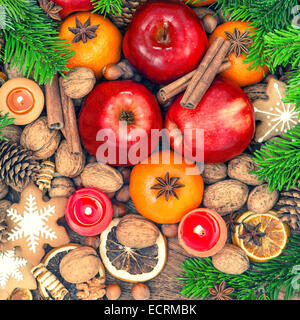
70 130
205 62
205 73
53 105
179 85
207 78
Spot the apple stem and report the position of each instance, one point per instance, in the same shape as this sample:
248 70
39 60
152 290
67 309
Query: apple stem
127 116
163 36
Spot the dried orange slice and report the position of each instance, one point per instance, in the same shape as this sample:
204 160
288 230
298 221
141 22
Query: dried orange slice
131 264
272 242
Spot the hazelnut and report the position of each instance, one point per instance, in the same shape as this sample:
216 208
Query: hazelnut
110 194
112 72
119 209
170 230
140 291
91 241
113 291
123 194
126 172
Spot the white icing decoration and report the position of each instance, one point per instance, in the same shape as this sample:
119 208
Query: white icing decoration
32 225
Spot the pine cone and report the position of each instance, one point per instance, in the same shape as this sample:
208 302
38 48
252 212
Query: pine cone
288 207
128 10
17 167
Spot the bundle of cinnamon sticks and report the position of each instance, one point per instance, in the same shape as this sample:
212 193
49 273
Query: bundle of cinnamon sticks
61 114
198 81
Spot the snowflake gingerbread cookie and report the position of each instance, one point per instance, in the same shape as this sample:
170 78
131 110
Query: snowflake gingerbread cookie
15 272
275 115
33 222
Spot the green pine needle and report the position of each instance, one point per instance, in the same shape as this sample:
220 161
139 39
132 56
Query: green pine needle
105 7
5 121
262 281
32 42
278 161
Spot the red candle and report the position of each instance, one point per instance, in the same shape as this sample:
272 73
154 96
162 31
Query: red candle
89 211
202 232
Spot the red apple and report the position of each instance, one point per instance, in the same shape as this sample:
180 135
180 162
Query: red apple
70 6
165 40
226 115
120 115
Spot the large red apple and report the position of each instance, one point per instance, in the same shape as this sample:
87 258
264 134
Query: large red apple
226 116
165 40
116 120
70 6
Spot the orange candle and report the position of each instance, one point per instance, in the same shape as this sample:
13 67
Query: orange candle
23 99
202 232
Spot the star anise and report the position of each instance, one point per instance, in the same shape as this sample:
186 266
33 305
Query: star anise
239 42
231 222
83 32
252 233
220 292
51 9
167 186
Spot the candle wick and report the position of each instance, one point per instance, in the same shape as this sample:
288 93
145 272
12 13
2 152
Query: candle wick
88 211
199 230
20 99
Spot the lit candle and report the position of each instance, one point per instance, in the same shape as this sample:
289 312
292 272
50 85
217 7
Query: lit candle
202 232
88 211
23 99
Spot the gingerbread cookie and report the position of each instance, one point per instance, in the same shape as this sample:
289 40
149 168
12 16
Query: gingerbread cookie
275 115
33 222
14 272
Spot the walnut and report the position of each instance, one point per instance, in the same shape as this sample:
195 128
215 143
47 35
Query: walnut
80 265
231 259
102 177
93 289
79 82
225 196
240 167
37 137
261 199
61 187
68 164
136 232
214 172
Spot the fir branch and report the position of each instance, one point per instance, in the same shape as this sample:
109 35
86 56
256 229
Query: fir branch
262 281
33 43
278 161
5 121
107 6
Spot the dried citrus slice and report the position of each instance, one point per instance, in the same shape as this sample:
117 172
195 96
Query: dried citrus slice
275 236
130 264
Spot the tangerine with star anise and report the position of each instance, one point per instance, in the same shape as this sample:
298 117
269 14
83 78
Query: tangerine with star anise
239 35
166 189
95 40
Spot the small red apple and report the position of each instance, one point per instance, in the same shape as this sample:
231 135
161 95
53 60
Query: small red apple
116 122
226 116
70 6
165 40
